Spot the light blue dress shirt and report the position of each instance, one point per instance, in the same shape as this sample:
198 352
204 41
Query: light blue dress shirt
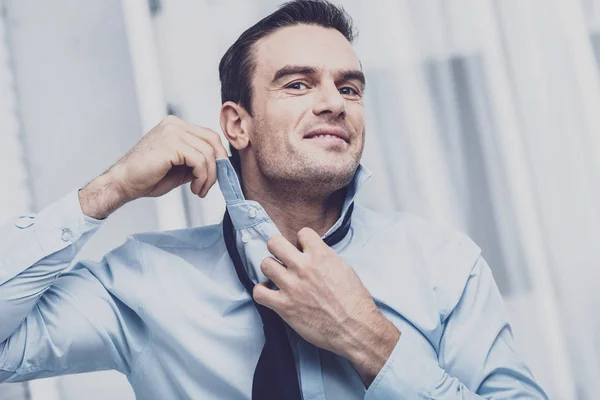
167 310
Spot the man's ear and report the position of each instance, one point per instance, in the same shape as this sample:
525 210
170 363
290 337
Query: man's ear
235 123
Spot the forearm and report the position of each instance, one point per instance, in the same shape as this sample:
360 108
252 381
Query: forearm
369 344
100 198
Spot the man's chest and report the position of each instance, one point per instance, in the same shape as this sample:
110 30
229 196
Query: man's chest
206 326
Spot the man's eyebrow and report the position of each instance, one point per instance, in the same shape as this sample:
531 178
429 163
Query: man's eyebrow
351 74
294 70
354 74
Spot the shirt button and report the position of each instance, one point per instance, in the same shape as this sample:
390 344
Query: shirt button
245 238
252 213
66 235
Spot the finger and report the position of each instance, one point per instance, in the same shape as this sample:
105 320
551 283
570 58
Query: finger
209 154
309 240
196 161
210 136
281 248
274 271
267 297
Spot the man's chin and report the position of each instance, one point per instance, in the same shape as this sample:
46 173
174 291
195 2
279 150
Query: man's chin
331 168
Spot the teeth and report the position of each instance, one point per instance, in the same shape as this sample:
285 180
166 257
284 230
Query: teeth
327 136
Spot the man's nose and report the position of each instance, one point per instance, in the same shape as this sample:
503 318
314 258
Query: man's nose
330 101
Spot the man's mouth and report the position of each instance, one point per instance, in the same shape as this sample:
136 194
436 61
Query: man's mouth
329 134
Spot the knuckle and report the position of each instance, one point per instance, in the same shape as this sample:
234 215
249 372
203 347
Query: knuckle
216 136
169 119
210 133
201 157
304 271
171 130
172 142
287 309
210 151
200 175
302 274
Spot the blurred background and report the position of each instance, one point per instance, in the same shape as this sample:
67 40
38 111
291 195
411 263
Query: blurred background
483 115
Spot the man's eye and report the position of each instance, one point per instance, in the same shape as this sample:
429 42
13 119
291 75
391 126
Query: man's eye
297 86
349 91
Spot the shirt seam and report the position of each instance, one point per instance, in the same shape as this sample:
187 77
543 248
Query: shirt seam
447 311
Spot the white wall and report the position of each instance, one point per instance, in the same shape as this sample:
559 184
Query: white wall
76 94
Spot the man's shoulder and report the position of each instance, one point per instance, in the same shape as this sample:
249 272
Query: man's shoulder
405 225
442 255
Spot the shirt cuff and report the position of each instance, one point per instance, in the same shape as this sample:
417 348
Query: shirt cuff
32 237
407 374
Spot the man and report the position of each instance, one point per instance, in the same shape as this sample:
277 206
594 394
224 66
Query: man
298 293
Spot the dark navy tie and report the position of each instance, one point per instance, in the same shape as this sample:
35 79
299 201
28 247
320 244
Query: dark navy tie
275 376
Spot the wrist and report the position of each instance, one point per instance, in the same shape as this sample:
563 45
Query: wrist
100 198
371 345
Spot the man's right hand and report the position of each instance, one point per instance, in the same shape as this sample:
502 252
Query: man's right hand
171 154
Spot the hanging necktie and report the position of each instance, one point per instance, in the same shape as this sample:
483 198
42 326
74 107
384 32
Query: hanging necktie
275 376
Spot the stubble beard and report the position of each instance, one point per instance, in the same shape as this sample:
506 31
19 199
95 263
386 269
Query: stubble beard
293 176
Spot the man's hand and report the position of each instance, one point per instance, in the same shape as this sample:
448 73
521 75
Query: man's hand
322 298
171 154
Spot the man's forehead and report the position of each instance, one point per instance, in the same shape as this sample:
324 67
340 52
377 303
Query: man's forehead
309 45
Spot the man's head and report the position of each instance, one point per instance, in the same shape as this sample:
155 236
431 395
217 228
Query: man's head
292 88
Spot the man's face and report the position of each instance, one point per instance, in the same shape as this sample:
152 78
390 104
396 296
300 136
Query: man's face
308 124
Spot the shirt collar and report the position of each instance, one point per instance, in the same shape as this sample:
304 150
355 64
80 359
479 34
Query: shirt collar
245 213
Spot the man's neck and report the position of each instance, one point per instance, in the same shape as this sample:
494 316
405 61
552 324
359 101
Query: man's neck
290 213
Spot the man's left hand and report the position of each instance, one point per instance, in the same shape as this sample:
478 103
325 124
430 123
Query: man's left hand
322 298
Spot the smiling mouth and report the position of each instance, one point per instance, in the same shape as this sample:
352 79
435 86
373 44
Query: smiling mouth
329 134
328 142
326 137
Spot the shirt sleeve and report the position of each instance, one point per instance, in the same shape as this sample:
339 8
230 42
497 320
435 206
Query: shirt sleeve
53 236
55 320
476 359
